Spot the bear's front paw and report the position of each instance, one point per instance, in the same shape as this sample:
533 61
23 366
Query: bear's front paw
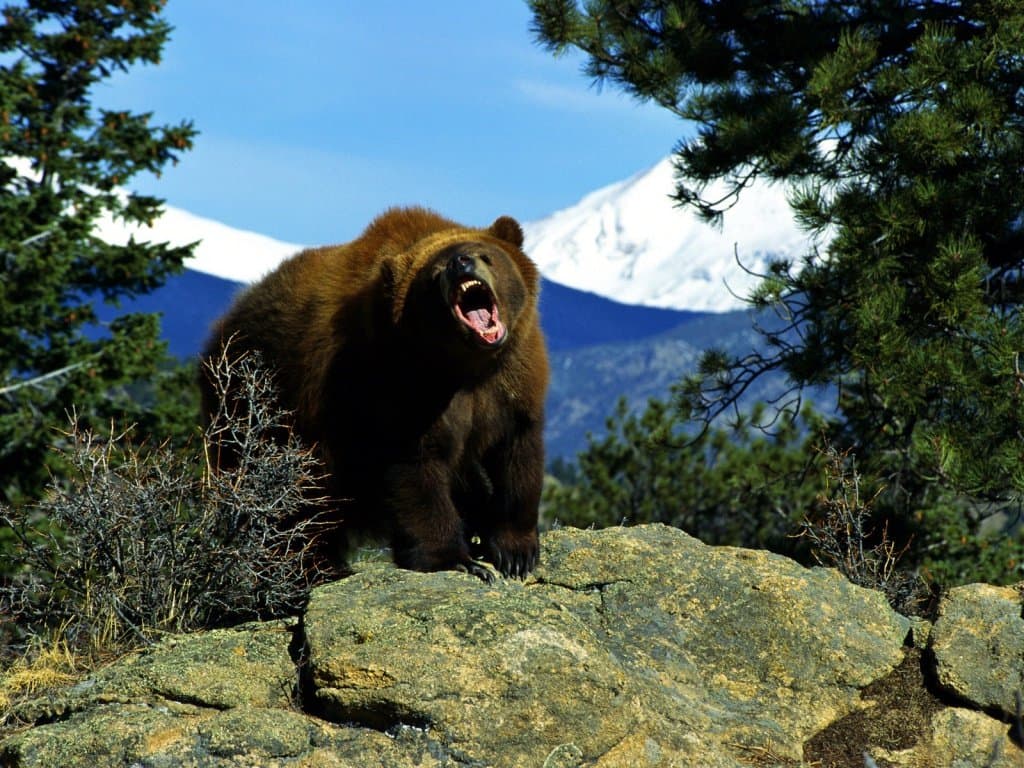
514 553
417 557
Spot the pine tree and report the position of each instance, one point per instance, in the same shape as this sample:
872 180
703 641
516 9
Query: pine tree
898 130
64 162
725 485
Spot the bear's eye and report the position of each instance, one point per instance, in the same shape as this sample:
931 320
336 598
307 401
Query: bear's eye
486 259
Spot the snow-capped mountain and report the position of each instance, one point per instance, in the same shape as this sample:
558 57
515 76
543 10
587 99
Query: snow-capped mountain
628 241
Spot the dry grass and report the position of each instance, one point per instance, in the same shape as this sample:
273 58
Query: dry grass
47 667
901 711
766 757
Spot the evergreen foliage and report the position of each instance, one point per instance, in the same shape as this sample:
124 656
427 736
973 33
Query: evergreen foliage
63 164
898 130
727 485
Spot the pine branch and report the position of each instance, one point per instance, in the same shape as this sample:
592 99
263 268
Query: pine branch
37 380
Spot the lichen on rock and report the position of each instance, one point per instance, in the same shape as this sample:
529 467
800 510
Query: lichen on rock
627 647
978 642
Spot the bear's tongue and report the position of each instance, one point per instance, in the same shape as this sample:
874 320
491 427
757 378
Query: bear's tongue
486 323
480 319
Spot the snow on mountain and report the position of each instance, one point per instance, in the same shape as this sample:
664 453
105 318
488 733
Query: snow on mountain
629 242
223 251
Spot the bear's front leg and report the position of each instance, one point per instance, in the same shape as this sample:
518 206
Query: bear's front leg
427 532
509 528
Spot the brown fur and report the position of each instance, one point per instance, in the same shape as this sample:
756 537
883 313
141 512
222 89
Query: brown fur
430 430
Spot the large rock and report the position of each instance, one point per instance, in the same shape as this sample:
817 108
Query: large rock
958 738
640 643
629 647
978 642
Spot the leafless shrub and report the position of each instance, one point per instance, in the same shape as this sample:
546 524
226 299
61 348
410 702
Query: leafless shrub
841 535
144 540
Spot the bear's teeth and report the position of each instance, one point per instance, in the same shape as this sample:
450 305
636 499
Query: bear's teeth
463 287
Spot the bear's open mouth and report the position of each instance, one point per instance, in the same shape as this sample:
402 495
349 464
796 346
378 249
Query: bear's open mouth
477 309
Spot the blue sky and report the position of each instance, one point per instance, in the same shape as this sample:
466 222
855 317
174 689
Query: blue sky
316 115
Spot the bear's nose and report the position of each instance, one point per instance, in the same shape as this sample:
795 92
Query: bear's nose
462 264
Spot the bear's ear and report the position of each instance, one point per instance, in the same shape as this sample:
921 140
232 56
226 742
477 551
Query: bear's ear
506 228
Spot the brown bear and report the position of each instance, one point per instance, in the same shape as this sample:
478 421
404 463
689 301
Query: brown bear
412 359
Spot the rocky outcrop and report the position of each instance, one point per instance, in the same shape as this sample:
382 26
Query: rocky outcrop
629 647
978 642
